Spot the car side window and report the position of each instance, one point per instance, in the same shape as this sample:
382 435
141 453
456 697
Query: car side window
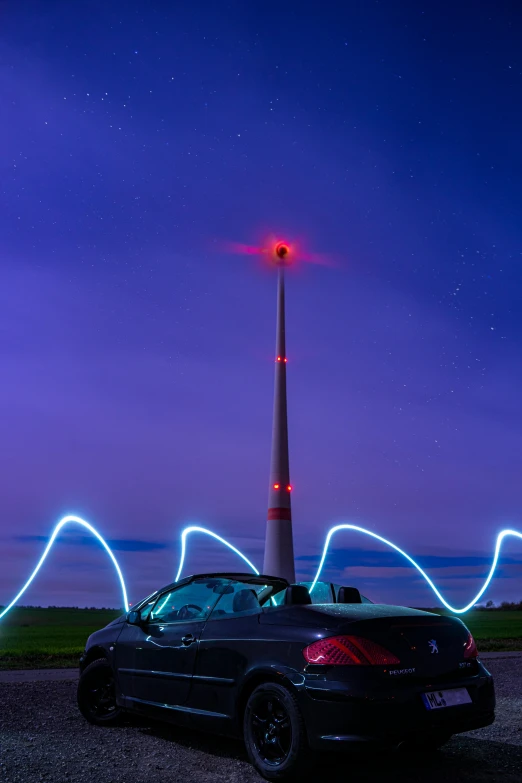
145 610
193 601
322 592
239 602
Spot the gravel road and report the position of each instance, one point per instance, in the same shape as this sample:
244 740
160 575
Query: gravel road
44 738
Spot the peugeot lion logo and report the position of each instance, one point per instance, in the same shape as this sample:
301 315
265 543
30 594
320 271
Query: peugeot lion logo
433 646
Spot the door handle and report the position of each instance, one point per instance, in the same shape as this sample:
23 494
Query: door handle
188 639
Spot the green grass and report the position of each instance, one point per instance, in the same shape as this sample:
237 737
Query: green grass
494 630
40 638
495 624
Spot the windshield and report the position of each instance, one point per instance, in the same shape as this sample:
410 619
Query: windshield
322 593
267 594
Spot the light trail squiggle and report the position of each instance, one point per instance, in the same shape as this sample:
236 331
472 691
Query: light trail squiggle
65 521
71 518
501 536
196 529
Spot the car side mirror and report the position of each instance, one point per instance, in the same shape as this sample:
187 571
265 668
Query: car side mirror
134 618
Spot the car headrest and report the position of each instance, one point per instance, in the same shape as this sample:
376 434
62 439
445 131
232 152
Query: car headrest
349 595
245 600
297 595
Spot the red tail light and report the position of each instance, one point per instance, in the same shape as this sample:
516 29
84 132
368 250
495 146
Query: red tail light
470 648
348 651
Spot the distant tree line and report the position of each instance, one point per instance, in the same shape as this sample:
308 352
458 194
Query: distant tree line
490 606
505 606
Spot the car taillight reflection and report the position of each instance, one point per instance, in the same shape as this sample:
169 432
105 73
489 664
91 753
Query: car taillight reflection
348 651
470 648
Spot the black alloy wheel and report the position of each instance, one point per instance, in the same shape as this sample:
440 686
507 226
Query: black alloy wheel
271 729
96 694
274 731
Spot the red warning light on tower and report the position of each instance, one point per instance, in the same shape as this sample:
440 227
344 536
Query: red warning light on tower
282 251
279 252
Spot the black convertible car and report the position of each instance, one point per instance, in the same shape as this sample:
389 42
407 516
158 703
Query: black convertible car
288 670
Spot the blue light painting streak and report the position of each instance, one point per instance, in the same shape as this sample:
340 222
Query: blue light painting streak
195 529
70 519
501 536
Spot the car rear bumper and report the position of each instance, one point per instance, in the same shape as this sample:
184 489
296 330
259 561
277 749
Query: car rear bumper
337 717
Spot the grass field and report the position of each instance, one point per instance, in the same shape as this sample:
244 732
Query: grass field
493 629
34 638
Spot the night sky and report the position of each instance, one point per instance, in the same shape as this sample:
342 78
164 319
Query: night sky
137 139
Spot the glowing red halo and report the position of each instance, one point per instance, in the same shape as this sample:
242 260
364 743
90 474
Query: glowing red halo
279 252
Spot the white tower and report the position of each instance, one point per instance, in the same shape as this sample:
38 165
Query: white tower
279 544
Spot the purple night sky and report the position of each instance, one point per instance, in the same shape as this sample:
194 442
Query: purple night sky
136 139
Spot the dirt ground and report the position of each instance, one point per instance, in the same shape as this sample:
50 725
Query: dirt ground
44 738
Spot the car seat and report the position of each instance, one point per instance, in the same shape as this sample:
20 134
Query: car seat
245 600
349 595
297 595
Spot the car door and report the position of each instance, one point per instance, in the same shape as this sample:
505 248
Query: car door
155 659
226 649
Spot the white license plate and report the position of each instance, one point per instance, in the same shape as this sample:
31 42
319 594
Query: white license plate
436 700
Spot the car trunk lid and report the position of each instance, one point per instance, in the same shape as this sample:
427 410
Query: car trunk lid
427 645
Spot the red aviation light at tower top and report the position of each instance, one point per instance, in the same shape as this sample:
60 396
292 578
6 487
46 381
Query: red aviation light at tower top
282 251
278 251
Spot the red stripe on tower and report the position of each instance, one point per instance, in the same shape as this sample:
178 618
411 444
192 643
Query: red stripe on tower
280 513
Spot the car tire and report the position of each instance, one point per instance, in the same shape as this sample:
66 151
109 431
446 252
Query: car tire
96 694
275 734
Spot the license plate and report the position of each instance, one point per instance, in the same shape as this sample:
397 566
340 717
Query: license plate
436 700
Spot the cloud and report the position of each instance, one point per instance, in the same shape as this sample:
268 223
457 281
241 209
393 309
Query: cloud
338 558
436 574
116 544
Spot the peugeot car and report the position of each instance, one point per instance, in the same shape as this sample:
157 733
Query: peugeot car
291 670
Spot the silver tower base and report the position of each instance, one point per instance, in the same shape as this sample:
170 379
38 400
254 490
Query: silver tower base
279 549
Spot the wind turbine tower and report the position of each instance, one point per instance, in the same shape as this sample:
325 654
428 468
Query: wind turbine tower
279 544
